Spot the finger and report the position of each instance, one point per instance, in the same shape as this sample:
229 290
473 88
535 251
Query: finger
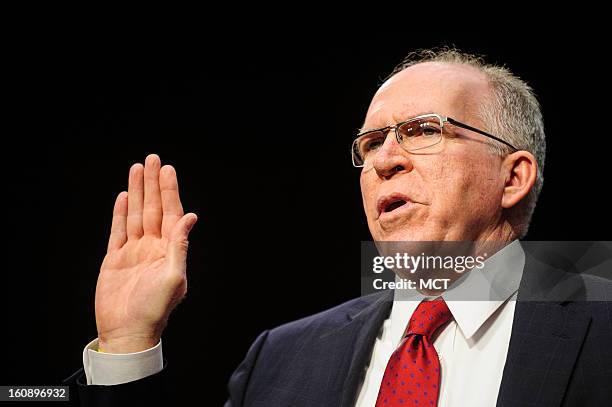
171 202
135 198
118 235
178 243
152 209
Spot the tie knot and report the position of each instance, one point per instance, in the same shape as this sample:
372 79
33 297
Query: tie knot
429 316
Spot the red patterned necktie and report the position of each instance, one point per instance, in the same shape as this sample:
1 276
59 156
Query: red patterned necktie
412 376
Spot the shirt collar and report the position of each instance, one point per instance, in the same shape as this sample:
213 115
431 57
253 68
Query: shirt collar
475 300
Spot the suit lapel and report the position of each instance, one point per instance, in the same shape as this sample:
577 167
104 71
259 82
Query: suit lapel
547 335
353 344
369 323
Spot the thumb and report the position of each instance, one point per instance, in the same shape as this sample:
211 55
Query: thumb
178 244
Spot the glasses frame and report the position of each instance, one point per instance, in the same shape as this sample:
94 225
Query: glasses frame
443 119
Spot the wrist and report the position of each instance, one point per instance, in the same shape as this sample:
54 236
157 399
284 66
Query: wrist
124 345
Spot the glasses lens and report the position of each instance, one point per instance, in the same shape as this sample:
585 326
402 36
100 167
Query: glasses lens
420 133
365 146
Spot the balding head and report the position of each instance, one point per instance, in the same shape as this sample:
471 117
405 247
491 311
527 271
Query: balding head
421 88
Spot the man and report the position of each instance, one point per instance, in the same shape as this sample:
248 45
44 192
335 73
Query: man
451 149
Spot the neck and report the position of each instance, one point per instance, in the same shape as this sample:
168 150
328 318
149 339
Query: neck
486 244
499 235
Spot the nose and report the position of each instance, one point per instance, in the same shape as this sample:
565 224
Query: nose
391 158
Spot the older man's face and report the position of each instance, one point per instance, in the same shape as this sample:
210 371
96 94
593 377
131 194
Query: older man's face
454 189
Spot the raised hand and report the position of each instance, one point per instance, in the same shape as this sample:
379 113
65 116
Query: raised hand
143 275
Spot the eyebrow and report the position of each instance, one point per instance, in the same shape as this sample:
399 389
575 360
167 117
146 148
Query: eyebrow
364 130
405 116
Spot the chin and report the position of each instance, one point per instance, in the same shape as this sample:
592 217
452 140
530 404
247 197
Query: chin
405 235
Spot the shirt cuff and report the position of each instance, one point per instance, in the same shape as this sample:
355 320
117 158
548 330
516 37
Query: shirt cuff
110 368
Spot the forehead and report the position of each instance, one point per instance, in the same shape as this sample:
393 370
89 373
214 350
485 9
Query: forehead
432 87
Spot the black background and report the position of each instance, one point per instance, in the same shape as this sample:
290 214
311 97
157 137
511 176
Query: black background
259 129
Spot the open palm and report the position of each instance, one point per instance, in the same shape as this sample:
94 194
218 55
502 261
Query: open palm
143 275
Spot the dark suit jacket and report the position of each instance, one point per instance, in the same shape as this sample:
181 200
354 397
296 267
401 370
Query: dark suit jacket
559 353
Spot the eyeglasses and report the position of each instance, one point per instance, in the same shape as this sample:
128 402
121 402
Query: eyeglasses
414 134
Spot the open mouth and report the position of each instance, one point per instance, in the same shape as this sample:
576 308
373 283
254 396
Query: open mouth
392 203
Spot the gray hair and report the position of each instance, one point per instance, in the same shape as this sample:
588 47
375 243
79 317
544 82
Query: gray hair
512 113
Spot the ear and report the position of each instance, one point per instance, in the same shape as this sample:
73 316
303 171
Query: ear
521 172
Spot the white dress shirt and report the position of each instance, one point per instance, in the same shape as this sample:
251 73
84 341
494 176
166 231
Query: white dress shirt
111 368
472 347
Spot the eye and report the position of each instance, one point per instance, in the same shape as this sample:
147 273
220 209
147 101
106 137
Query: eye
419 129
429 130
371 143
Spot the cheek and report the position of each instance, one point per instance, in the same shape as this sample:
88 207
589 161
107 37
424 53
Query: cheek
443 179
462 188
482 184
368 190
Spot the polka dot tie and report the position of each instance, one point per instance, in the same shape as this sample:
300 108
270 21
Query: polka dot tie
412 376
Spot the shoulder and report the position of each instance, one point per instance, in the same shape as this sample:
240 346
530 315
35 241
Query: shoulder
597 288
321 323
543 279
